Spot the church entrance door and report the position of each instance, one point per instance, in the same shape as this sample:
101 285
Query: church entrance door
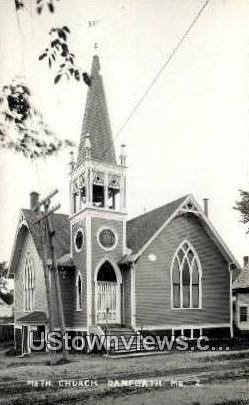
107 296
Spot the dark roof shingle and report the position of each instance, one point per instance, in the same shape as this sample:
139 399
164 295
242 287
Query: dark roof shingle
61 227
242 280
36 316
96 121
140 229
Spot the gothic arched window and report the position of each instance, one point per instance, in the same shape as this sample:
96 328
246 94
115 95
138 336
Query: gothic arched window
29 284
186 278
78 292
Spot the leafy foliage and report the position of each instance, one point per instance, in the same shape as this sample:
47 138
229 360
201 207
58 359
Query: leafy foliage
22 127
243 207
6 294
58 53
19 4
3 275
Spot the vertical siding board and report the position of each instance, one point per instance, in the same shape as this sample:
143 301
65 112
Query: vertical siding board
153 305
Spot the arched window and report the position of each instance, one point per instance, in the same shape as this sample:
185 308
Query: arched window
106 273
186 278
78 292
29 284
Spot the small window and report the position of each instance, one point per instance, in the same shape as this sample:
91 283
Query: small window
177 333
187 333
243 314
79 240
196 333
107 239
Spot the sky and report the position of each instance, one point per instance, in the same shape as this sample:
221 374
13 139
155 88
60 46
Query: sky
190 134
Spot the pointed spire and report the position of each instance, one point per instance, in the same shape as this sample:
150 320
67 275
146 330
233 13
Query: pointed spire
96 121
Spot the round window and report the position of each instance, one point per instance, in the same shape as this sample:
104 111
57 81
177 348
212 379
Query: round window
79 239
107 238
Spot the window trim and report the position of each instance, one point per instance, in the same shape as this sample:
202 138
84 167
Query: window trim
180 308
103 228
78 308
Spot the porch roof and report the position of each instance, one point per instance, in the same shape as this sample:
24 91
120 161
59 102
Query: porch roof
34 317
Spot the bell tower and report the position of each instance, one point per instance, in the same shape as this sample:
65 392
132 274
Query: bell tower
97 180
97 195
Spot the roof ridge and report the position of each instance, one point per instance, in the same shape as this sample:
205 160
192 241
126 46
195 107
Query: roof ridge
140 229
158 208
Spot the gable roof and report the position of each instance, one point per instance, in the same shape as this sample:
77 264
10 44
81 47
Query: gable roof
140 229
242 280
96 121
61 238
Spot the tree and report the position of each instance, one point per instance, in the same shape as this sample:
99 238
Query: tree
22 127
5 293
243 207
57 51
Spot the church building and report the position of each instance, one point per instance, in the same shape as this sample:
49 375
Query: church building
167 270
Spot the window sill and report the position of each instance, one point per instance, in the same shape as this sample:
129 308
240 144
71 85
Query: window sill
78 310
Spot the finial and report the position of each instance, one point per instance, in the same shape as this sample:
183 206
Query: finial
123 155
96 45
71 161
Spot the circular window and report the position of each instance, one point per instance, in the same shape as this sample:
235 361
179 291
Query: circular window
79 240
107 239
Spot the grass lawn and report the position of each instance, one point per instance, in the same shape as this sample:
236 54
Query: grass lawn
230 392
16 374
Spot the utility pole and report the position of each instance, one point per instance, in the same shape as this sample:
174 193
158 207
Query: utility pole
51 274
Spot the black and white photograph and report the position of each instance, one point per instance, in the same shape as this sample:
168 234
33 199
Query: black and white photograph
124 202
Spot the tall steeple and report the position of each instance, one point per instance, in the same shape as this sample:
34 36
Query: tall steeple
97 181
96 123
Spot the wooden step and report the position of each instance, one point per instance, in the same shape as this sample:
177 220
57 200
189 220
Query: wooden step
127 333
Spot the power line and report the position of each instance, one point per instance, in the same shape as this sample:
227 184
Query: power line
158 74
169 58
